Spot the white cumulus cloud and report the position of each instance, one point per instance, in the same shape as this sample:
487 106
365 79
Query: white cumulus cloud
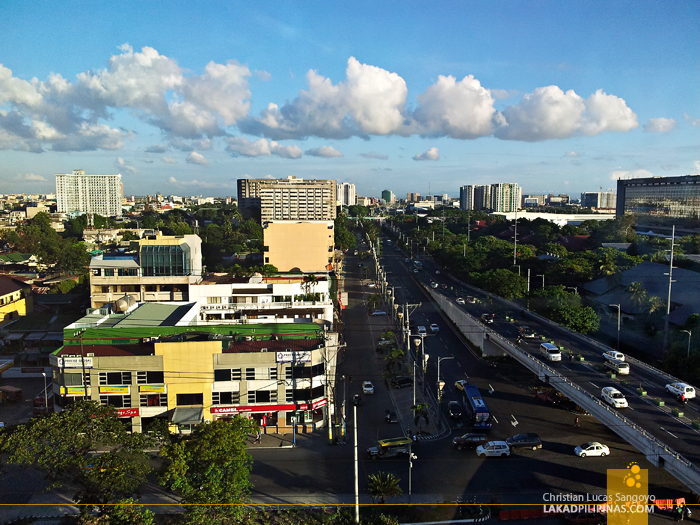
196 158
431 154
324 151
572 154
122 165
168 160
31 177
693 121
660 125
261 148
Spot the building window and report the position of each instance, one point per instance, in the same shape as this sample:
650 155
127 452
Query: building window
250 374
262 396
190 399
109 272
116 401
150 378
213 300
165 261
225 398
75 379
289 396
227 374
115 378
154 400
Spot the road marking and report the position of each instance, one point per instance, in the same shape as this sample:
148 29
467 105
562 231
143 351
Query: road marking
591 382
662 428
460 364
494 418
565 367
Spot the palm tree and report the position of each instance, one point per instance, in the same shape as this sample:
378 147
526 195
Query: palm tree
383 485
373 301
310 281
655 304
395 359
638 294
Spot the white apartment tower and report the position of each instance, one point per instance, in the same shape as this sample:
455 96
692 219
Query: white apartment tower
346 194
505 197
475 197
100 194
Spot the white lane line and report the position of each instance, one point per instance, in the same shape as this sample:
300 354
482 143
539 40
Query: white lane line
460 364
662 428
565 367
591 382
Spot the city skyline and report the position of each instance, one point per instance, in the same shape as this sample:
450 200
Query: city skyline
188 99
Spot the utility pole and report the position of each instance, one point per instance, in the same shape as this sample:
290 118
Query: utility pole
357 483
515 238
670 281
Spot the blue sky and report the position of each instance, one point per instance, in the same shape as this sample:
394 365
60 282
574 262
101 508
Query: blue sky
185 98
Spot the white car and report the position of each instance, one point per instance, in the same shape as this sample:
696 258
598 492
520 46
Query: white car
367 387
592 449
471 300
421 330
434 285
415 270
437 272
371 285
614 356
460 300
493 448
434 328
613 397
681 388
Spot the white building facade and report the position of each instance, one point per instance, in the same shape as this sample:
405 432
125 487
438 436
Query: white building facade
100 194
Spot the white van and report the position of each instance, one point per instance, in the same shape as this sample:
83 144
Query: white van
613 397
550 352
619 367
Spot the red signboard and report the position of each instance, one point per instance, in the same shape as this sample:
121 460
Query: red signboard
253 409
128 412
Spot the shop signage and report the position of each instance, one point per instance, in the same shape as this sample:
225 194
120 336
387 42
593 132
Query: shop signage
294 357
74 391
252 409
114 390
128 412
155 389
71 362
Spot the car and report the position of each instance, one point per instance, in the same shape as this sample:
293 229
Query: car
437 272
459 385
471 300
550 352
459 300
613 397
488 318
401 381
612 355
391 417
527 332
545 397
455 409
379 312
422 330
433 285
468 441
681 388
415 270
371 285
434 328
532 441
592 449
407 260
444 287
367 387
493 448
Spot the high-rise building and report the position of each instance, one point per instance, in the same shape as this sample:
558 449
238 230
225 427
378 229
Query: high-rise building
660 196
101 194
346 194
475 197
599 199
505 197
412 197
388 197
288 199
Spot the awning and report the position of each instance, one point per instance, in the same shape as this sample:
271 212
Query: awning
187 416
35 336
15 336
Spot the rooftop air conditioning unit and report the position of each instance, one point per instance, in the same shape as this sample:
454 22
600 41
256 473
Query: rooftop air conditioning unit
146 340
90 354
263 349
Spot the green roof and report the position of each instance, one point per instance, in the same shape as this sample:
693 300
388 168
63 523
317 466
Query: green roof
15 257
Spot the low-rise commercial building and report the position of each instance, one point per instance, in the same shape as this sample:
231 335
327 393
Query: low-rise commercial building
299 246
157 362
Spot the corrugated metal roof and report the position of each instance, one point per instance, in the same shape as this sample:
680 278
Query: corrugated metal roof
155 314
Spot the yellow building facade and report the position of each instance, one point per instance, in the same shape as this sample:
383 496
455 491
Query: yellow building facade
299 246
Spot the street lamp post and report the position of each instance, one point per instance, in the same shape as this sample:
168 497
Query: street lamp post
690 334
439 389
411 457
518 269
541 275
46 394
618 324
421 343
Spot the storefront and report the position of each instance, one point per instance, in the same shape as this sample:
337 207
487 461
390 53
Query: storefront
273 418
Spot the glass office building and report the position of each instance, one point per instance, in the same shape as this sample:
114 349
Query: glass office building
672 197
166 260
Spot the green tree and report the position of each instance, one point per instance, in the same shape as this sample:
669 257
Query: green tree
505 283
638 294
127 512
374 301
61 446
210 470
395 359
420 411
383 485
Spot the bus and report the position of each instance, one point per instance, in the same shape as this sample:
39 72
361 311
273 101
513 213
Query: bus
476 409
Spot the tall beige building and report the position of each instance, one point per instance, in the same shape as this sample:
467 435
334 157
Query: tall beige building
299 246
289 199
101 194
